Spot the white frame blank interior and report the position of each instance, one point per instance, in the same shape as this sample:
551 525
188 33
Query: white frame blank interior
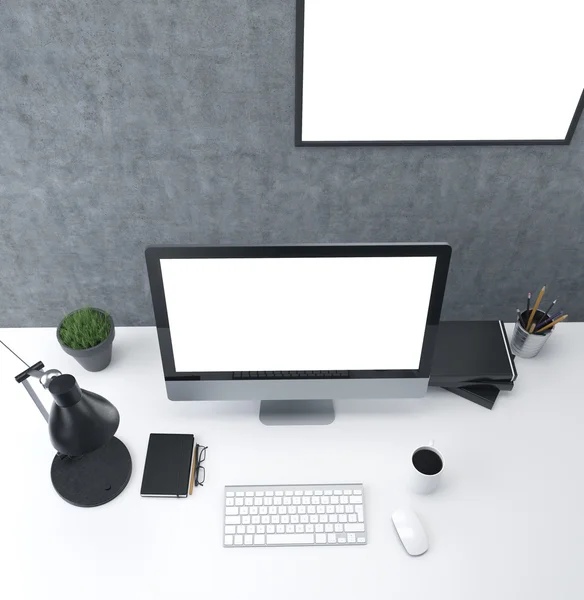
391 72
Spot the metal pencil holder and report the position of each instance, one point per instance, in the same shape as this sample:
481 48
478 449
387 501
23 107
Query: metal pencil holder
528 345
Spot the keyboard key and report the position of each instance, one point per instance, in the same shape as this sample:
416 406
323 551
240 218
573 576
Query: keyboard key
319 528
277 501
255 519
268 501
265 519
239 494
280 528
249 494
311 510
230 529
345 499
315 500
309 528
360 540
356 499
232 520
228 540
351 539
330 509
273 510
298 493
239 502
352 518
333 519
339 508
308 492
298 538
229 502
296 501
244 510
353 527
347 492
332 538
253 510
289 528
304 518
321 538
328 492
314 518
276 519
248 540
291 510
260 494
294 519
263 510
299 528
306 500
286 519
288 493
260 529
231 510
318 492
302 510
238 540
335 500
342 518
258 501
271 529
230 494
269 493
246 520
320 510
358 492
279 493
259 539
338 492
329 528
250 529
241 529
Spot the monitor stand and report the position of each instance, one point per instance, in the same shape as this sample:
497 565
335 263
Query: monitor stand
297 412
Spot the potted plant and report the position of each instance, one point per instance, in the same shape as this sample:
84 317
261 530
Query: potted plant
87 335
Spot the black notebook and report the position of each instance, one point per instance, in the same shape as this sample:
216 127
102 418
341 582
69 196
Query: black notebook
168 465
472 352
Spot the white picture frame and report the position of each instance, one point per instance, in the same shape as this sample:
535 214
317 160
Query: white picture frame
437 72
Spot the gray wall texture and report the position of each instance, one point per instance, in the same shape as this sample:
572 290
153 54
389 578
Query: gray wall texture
127 123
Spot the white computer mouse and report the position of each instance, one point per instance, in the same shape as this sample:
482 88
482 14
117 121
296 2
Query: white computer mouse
410 531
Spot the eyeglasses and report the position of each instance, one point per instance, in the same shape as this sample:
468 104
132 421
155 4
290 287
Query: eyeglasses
199 469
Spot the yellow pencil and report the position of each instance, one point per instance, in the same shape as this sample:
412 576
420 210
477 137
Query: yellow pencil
193 472
552 323
535 307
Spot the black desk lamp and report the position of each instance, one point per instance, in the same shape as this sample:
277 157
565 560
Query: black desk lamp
91 466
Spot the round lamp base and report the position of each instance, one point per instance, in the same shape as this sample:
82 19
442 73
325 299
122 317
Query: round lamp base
93 479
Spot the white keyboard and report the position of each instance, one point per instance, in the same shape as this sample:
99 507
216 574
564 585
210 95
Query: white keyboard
294 515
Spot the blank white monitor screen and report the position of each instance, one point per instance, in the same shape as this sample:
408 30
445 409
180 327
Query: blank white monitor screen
448 70
297 314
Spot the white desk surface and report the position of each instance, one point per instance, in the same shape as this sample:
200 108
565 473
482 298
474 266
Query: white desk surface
506 524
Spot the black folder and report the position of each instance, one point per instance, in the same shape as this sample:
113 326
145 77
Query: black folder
473 359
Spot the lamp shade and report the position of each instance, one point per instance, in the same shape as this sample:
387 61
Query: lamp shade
80 421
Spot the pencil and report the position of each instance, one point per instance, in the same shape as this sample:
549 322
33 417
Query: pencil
547 312
535 307
528 301
553 323
193 472
548 320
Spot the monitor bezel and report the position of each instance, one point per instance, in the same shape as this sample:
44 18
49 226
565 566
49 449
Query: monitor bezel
154 254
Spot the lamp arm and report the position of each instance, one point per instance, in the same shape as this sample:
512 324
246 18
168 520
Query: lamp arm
45 377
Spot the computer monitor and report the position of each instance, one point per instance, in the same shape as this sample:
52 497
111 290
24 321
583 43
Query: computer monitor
297 326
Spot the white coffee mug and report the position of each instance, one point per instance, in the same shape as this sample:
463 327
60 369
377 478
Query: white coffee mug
426 468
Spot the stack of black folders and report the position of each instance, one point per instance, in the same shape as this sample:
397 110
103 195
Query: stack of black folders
473 359
173 465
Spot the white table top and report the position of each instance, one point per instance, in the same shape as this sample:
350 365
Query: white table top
507 522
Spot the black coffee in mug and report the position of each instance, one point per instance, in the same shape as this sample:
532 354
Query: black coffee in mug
427 461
